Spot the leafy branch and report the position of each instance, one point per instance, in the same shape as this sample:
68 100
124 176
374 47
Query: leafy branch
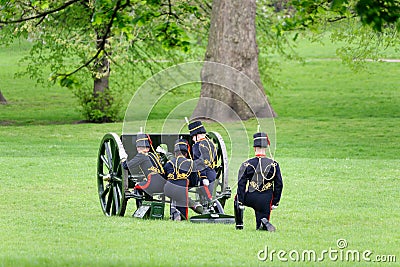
42 15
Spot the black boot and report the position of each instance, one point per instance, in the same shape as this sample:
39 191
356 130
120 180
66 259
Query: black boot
176 216
137 194
138 203
266 226
238 210
196 207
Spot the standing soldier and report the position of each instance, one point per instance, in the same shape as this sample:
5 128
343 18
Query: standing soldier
179 171
149 164
259 186
204 155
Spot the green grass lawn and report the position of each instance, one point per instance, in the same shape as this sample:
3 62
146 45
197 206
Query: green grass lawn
30 103
338 145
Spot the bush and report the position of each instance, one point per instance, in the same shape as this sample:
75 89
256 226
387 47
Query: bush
99 107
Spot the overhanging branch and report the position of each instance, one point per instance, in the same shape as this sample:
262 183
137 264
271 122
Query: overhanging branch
40 15
103 40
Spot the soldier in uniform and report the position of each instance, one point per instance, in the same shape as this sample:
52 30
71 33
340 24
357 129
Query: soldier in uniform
204 155
149 164
179 171
259 186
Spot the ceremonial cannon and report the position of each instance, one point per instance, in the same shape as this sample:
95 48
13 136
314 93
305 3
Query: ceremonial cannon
115 184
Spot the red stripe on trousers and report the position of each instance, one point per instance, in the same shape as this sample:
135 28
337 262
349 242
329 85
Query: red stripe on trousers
142 187
270 207
207 192
187 200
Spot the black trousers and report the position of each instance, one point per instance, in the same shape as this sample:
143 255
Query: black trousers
177 190
261 202
207 191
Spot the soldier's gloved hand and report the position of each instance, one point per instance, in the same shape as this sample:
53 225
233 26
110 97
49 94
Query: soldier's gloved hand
206 182
159 149
122 154
241 207
274 207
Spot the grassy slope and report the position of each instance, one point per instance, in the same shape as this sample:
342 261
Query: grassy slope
338 146
30 103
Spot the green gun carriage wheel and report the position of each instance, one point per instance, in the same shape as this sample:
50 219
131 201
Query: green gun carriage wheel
221 189
110 176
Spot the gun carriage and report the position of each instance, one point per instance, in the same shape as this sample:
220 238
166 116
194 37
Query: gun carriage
115 184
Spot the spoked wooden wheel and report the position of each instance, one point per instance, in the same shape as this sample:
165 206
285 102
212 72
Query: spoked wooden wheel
221 188
110 177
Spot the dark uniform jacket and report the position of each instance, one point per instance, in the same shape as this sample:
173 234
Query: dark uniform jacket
180 168
204 155
146 163
262 175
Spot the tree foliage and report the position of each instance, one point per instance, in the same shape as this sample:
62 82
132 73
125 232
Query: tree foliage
364 29
379 13
78 41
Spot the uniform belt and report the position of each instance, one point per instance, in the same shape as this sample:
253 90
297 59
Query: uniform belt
180 176
155 170
263 188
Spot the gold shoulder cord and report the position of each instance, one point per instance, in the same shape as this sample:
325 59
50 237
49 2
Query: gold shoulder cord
266 186
157 160
253 184
178 167
156 157
214 155
171 176
210 154
190 156
262 171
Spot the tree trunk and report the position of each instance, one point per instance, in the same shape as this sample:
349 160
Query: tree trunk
101 95
232 90
103 74
2 99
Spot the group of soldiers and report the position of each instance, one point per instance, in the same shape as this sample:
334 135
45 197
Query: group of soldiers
259 180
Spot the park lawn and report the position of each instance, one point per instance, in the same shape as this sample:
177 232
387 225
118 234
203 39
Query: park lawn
51 213
338 146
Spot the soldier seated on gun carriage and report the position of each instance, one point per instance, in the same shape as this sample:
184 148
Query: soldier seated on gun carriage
204 155
180 172
149 164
